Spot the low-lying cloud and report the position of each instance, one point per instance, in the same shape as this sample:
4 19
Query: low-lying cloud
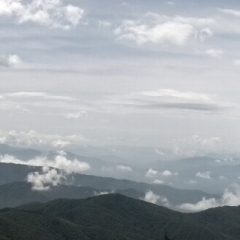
43 181
54 171
231 197
156 199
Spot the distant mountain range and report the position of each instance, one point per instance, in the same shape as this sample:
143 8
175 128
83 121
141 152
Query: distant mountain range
11 173
115 217
210 174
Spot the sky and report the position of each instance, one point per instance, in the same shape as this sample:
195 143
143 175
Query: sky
163 74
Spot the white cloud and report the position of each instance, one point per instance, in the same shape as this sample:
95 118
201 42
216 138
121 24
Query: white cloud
151 173
157 181
229 198
10 61
159 29
167 173
43 181
60 143
35 139
73 14
52 13
205 175
54 171
75 115
151 197
232 12
59 162
215 53
172 93
124 168
156 199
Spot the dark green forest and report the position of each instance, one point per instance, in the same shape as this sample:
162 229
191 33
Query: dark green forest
115 217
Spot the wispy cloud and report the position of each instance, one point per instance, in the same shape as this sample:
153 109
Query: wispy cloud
166 99
35 139
54 171
215 53
160 29
232 12
124 168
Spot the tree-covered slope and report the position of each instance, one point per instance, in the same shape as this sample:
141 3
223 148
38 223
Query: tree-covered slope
115 217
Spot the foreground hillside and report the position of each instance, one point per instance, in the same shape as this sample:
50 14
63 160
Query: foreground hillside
115 217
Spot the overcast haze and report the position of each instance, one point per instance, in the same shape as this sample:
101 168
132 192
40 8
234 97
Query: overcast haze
162 74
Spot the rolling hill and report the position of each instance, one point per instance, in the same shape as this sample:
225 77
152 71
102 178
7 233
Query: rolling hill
115 217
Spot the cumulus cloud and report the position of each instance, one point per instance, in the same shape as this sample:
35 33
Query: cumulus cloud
52 13
151 173
205 175
167 173
231 197
33 138
10 61
124 168
157 29
54 171
43 181
156 199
